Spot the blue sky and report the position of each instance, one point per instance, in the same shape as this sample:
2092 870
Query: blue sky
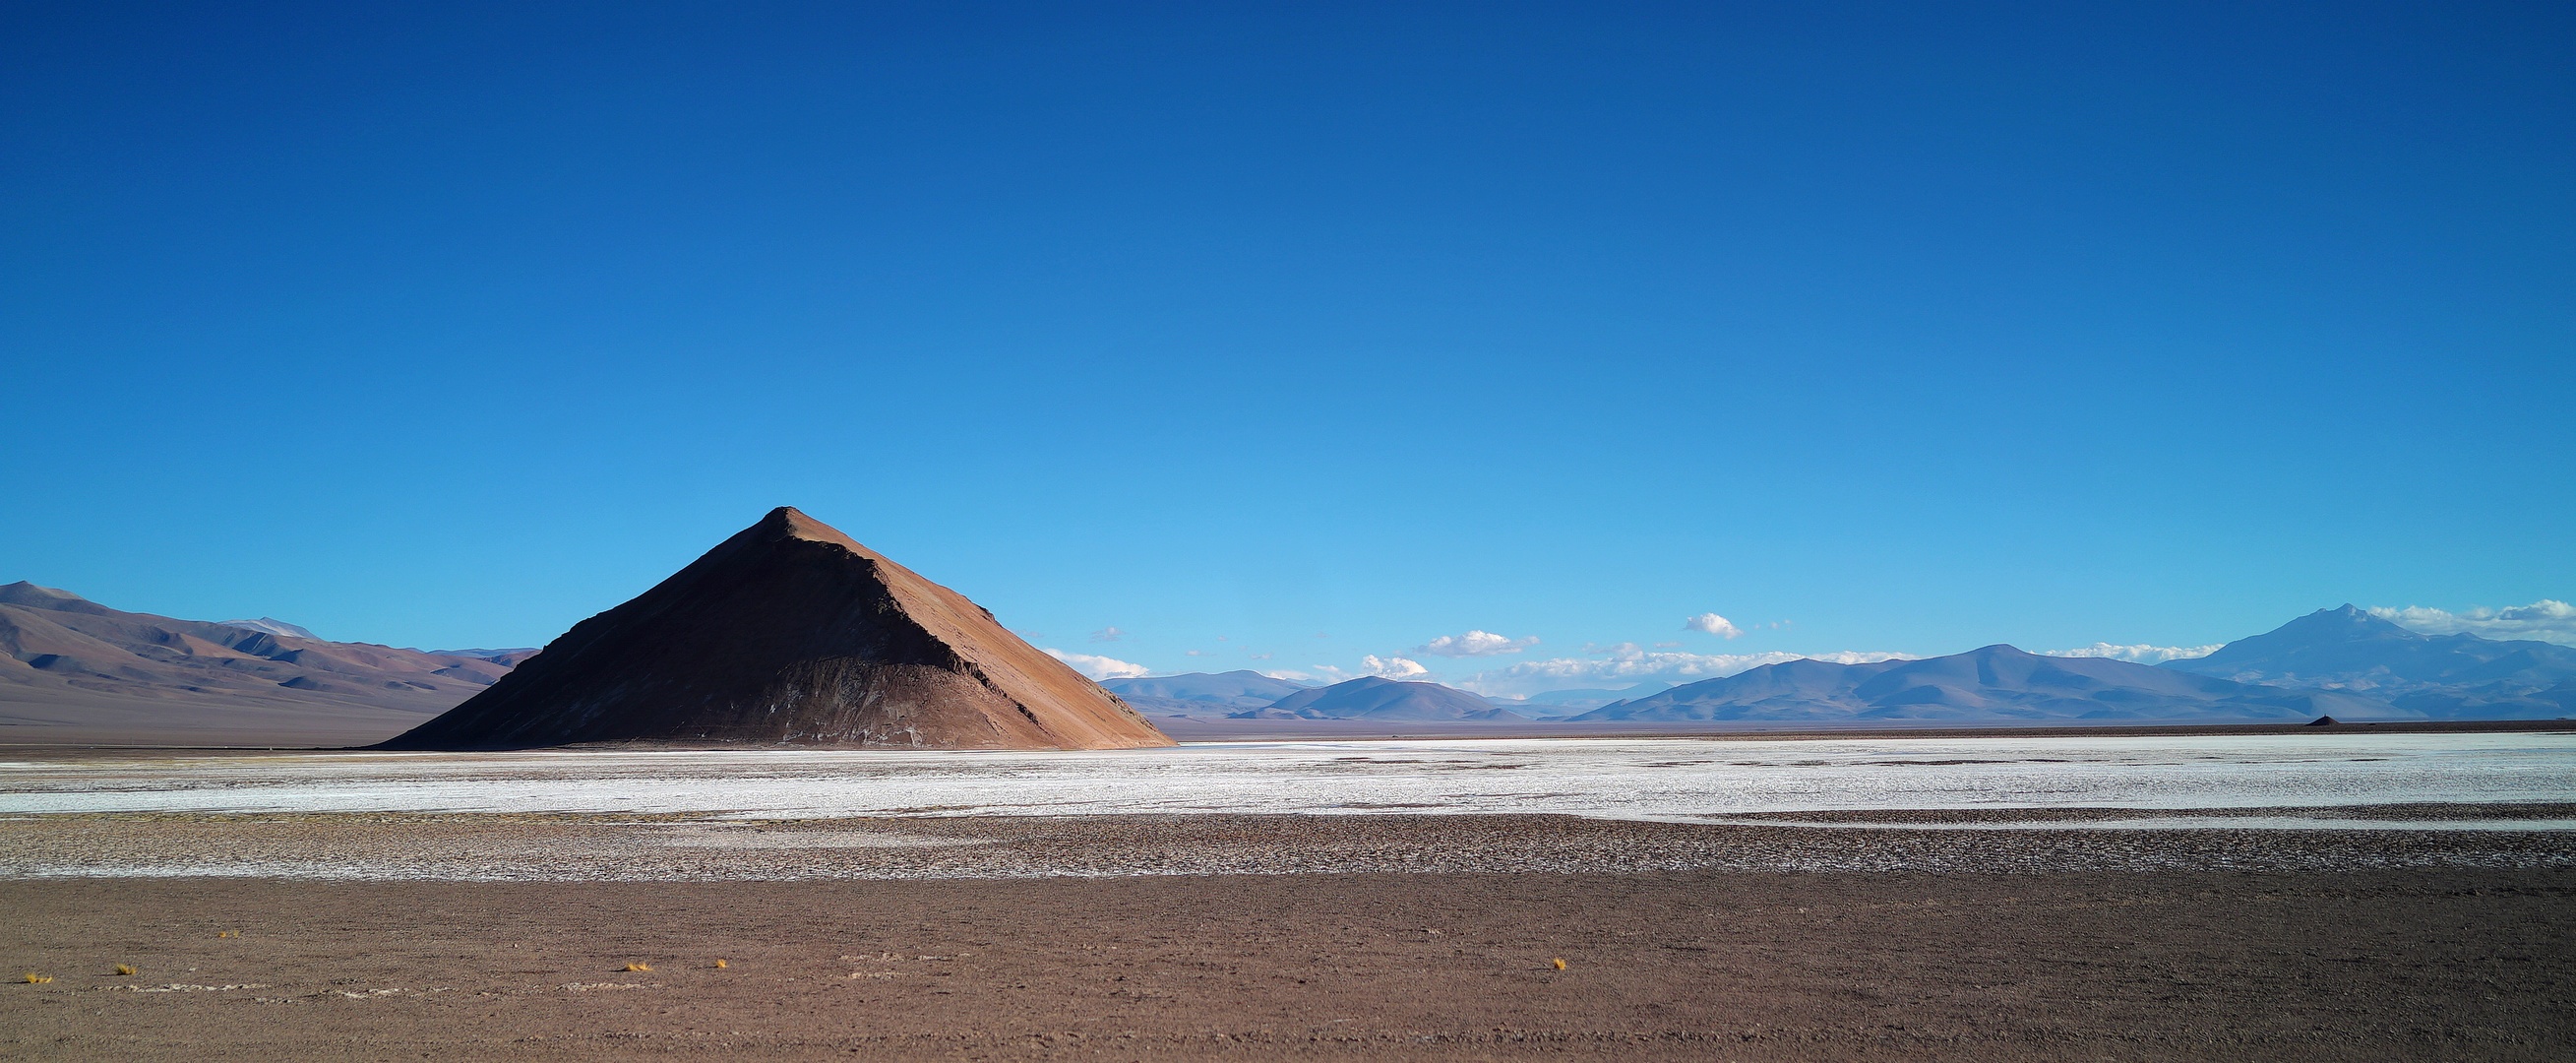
1298 334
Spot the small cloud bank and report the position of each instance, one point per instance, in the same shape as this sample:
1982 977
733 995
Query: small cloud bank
1370 666
2138 654
1627 664
1713 624
1098 668
1475 644
2546 620
1108 634
1392 668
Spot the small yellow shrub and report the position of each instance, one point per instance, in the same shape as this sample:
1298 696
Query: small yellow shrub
720 964
32 978
126 968
639 966
1560 963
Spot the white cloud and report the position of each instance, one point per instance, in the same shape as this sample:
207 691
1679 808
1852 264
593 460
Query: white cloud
1099 668
1108 634
1713 624
1627 664
2547 620
2138 654
1475 644
1392 668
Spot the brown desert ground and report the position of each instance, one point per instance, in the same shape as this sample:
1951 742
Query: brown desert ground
1049 938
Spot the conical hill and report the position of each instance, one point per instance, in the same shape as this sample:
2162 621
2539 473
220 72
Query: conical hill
791 634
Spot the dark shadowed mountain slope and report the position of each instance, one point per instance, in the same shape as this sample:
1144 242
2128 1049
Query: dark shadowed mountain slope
790 633
2458 676
77 671
1997 684
1201 693
1370 698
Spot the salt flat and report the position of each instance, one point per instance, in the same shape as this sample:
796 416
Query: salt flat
1633 779
2340 896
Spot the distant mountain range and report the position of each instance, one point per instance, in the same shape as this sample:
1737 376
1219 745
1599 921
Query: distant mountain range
1993 684
2443 676
1559 704
1371 698
1200 693
2341 662
72 669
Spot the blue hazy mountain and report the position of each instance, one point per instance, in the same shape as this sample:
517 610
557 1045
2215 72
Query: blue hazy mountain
1558 704
1600 697
1201 693
1381 699
1995 684
2445 676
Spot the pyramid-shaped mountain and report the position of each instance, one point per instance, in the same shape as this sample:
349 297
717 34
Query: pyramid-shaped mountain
791 634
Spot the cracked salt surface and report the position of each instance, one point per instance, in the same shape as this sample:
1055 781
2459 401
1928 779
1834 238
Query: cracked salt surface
1650 779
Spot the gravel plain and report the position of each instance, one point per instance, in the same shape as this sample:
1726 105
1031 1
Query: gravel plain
484 847
2435 963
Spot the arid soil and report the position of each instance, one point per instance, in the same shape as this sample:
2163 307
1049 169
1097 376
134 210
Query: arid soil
390 846
2384 944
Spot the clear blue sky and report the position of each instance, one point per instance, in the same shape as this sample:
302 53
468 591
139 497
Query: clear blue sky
1914 329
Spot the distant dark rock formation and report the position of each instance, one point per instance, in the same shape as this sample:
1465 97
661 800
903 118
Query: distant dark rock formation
2350 651
791 634
1997 684
2324 721
1372 698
